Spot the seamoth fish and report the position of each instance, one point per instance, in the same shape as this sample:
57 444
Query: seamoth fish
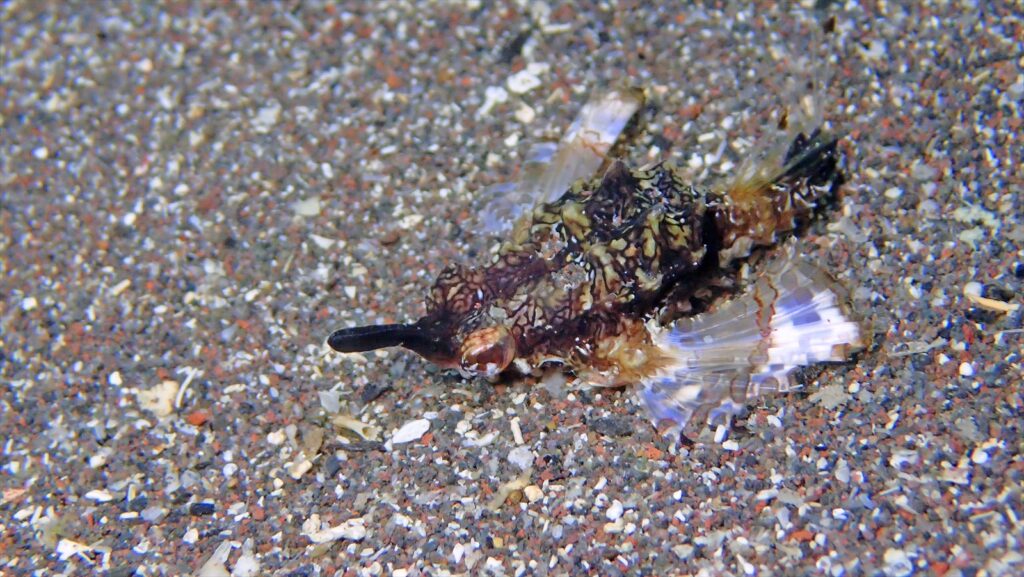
580 280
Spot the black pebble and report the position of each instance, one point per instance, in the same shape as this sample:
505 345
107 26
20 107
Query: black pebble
201 509
373 391
138 504
613 426
331 467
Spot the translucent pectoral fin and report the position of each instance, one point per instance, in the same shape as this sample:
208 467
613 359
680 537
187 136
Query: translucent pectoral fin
794 316
551 169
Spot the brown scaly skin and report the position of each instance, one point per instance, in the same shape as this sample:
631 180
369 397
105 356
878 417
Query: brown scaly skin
578 278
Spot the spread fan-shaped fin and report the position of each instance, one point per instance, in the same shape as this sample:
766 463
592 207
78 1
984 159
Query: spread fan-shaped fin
795 315
550 170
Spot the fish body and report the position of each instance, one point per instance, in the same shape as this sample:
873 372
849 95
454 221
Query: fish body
578 282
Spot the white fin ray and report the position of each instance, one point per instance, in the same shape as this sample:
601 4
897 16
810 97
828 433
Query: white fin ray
793 316
551 169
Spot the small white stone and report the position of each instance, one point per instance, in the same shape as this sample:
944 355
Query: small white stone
533 493
903 457
120 287
731 445
99 495
327 170
475 440
875 50
114 379
411 431
842 472
720 433
297 470
322 241
308 207
457 552
216 566
266 118
521 457
525 114
330 401
614 527
160 399
276 437
191 536
66 548
247 565
517 431
493 95
410 220
522 82
897 563
353 530
29 304
966 369
41 153
979 456
614 511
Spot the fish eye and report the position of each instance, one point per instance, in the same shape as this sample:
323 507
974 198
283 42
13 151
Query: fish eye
487 351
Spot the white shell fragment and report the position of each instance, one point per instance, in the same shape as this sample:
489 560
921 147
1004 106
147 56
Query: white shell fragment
409 432
247 565
160 399
494 95
518 484
266 118
67 548
353 530
972 291
308 207
527 79
365 431
99 495
215 565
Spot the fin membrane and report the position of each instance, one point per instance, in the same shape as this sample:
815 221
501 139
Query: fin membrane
793 316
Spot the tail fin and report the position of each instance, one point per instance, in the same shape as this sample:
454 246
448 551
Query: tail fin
777 192
794 316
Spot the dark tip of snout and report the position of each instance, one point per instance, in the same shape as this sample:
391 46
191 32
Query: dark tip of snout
368 338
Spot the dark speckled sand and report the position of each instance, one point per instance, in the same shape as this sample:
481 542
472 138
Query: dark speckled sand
193 199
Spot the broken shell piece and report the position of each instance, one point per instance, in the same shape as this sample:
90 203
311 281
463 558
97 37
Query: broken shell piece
409 432
365 431
160 399
972 291
517 484
353 530
215 565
